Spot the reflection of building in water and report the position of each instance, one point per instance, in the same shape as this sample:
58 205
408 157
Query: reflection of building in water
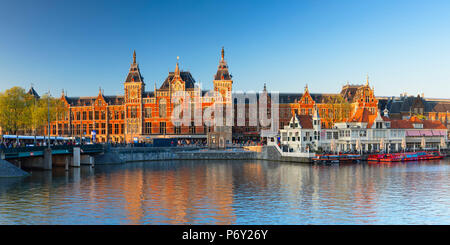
180 195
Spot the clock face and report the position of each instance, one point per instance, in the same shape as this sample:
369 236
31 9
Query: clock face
133 94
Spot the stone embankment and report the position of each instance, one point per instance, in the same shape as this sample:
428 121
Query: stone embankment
119 155
8 169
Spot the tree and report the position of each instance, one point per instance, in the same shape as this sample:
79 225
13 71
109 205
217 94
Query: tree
14 110
48 107
337 109
22 112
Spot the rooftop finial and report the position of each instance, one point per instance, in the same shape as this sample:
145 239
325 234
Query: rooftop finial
177 68
134 57
367 82
223 53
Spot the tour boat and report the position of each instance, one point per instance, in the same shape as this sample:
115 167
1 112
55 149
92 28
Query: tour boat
405 156
330 158
326 158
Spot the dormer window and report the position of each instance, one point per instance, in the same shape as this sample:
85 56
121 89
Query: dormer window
418 125
379 125
388 124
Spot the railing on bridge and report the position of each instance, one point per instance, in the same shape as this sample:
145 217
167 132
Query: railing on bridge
32 151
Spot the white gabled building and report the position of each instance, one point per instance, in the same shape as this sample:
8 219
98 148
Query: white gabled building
302 134
364 131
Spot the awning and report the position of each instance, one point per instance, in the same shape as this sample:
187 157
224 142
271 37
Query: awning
413 133
439 132
427 133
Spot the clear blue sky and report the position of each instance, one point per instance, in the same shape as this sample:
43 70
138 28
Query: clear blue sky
78 46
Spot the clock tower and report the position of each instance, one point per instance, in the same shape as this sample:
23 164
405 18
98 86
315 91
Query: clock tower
134 88
223 80
221 135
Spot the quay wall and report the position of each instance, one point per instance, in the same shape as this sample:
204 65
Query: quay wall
8 169
120 155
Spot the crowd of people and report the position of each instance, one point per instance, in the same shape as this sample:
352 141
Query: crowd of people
14 143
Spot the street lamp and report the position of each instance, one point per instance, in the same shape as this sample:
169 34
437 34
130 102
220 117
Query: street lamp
48 120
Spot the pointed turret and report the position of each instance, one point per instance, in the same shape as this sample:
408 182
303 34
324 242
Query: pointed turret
222 69
33 92
134 75
177 68
223 53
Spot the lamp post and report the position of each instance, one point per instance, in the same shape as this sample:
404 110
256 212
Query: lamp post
48 120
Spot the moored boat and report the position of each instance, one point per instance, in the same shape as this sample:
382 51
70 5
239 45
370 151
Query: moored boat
331 158
405 156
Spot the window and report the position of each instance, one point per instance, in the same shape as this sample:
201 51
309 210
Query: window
162 127
363 133
379 125
177 129
103 114
78 115
192 128
162 108
133 112
116 128
84 115
148 112
96 115
147 128
90 115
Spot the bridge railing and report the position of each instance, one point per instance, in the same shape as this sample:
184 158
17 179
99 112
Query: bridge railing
56 149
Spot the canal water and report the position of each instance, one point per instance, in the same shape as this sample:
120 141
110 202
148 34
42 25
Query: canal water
231 192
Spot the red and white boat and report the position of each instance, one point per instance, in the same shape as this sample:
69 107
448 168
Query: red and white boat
405 156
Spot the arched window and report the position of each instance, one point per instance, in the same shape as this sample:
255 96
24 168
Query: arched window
162 108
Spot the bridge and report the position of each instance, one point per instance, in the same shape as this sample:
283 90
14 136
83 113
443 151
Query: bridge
42 157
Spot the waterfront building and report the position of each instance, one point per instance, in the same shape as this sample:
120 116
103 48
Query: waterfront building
363 132
331 108
140 115
302 134
406 106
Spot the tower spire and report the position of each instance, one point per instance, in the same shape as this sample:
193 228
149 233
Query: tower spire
223 53
367 81
134 57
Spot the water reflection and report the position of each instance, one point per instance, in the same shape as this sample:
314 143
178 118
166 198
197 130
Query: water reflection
231 192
